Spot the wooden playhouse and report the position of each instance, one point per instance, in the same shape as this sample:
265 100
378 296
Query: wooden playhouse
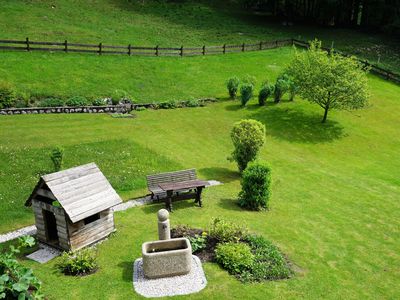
73 208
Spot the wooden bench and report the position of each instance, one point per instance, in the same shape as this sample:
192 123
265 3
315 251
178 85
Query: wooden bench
153 181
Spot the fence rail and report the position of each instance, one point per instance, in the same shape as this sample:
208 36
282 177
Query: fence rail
132 50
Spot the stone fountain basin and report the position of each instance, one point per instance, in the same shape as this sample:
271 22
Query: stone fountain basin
167 258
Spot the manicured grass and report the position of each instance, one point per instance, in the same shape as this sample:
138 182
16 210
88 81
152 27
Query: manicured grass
334 208
147 79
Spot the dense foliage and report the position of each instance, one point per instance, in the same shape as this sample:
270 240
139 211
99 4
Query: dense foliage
282 86
256 187
234 257
265 91
7 95
198 242
51 102
77 101
232 85
269 263
224 231
82 262
248 136
328 79
16 281
246 93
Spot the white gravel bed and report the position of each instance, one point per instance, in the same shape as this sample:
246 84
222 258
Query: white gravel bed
29 230
190 283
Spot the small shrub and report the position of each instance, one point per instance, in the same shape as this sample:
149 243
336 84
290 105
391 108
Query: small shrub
16 281
140 108
82 262
269 263
248 136
77 101
192 103
51 102
234 257
7 95
57 156
232 85
99 102
265 91
281 87
293 88
256 187
224 231
168 105
120 96
246 93
198 242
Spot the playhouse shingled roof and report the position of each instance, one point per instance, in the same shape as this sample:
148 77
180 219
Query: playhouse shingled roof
82 191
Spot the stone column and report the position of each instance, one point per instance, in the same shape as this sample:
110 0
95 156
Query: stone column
164 232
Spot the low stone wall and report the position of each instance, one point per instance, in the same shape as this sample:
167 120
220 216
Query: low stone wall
66 110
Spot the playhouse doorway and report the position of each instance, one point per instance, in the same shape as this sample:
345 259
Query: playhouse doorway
51 228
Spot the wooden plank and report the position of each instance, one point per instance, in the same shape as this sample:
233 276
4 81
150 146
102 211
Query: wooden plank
92 225
90 190
93 209
12 48
73 171
90 201
85 234
46 193
68 188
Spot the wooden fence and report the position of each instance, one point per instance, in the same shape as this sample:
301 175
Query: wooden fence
29 45
100 49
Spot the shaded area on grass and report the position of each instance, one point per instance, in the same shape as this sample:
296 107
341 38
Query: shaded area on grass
223 175
295 125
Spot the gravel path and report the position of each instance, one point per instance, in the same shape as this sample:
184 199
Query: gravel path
31 230
190 283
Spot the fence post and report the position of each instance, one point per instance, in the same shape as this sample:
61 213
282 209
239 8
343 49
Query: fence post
260 45
28 48
181 54
100 46
204 50
224 48
243 47
129 49
157 50
292 41
276 43
65 46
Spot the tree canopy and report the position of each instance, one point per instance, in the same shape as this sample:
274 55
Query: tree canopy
328 79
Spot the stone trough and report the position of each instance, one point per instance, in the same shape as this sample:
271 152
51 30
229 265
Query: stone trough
167 258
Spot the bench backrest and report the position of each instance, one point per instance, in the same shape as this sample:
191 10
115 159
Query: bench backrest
155 179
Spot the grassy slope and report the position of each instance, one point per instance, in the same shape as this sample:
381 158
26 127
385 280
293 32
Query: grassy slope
122 22
335 191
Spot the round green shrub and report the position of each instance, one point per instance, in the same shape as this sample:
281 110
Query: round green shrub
234 257
51 102
99 102
7 95
265 91
77 101
246 93
224 231
232 85
248 136
82 262
256 187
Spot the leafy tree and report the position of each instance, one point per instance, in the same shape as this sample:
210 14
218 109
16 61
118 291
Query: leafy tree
7 95
233 85
248 136
330 80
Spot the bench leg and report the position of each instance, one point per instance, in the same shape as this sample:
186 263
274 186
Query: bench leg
198 195
168 200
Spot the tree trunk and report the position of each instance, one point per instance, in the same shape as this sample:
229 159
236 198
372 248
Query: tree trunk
325 114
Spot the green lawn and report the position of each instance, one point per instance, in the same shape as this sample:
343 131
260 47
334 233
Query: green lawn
334 209
166 24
